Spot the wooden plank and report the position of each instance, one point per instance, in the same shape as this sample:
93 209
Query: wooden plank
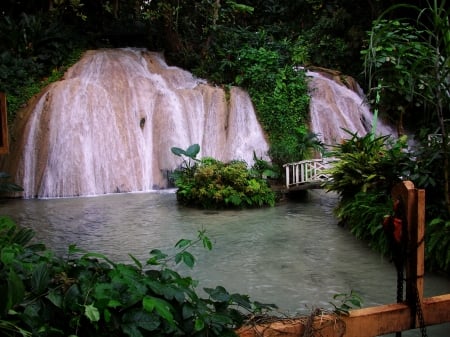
4 141
436 310
367 322
420 239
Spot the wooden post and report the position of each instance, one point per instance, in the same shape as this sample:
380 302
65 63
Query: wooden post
414 207
4 147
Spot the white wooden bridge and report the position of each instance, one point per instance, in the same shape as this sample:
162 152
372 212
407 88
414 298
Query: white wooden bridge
307 174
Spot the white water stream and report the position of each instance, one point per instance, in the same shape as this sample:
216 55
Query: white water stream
335 108
109 125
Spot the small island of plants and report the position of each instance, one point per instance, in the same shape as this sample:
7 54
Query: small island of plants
211 184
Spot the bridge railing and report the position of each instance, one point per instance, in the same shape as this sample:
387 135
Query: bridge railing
307 171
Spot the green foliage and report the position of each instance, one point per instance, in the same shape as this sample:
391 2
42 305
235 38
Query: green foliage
363 216
187 169
438 244
34 48
263 169
410 60
87 294
212 184
393 60
280 94
346 302
364 176
368 163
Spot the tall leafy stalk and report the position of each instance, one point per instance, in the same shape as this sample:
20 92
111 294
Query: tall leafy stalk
438 32
412 58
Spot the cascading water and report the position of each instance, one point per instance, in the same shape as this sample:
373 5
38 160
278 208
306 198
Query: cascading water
335 108
108 126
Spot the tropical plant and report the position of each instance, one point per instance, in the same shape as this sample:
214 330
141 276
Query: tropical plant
280 93
363 215
410 60
438 244
368 163
264 169
189 158
87 294
216 185
210 183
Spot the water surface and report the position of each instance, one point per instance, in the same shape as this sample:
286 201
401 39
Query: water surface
294 255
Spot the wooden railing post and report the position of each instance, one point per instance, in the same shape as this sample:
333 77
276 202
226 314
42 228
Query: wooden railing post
4 146
414 207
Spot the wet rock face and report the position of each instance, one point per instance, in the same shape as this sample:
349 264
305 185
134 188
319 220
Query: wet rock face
108 126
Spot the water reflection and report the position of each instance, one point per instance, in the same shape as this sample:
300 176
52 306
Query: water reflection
293 255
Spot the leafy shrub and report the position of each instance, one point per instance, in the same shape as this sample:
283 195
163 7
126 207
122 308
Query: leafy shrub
438 244
214 185
280 94
34 48
363 216
368 163
87 294
210 183
364 176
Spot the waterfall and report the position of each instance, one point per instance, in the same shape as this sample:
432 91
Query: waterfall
334 108
109 124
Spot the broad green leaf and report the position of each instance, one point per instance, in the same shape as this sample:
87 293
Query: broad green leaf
187 258
131 330
199 324
177 151
160 306
187 310
136 261
7 255
218 294
55 297
16 289
242 300
193 150
142 319
183 243
40 278
207 243
114 303
91 312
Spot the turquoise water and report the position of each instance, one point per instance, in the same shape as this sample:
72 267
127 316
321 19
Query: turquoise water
293 255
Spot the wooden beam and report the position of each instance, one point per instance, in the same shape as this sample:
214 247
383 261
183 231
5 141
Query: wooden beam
4 146
367 322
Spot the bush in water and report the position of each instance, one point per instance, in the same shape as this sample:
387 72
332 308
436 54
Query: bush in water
212 184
